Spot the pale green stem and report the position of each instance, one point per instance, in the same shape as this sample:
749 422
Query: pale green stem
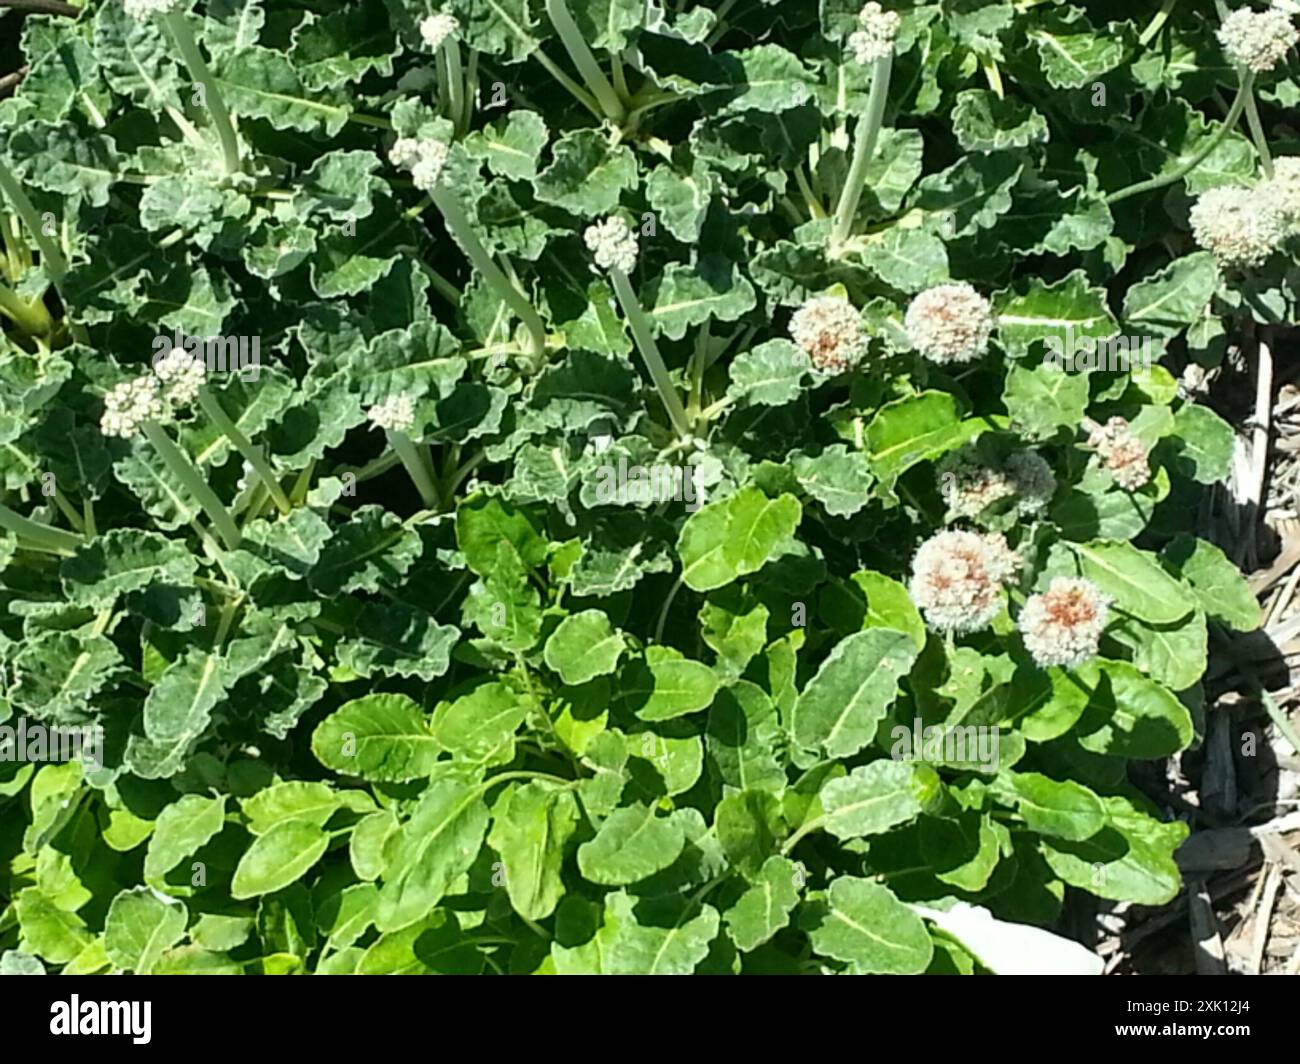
1234 116
183 36
1257 135
864 147
577 91
464 233
250 451
55 264
586 63
645 343
449 55
43 537
1157 23
74 518
30 316
419 473
184 470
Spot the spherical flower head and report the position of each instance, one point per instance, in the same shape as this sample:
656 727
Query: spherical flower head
874 38
182 375
396 413
1241 226
830 331
1122 453
971 486
1283 190
613 244
1063 625
1257 40
1033 479
437 28
428 167
144 9
950 323
129 405
404 152
957 579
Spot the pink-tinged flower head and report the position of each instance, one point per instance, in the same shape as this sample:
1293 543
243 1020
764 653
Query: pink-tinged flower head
830 331
1122 453
1063 625
1257 40
950 323
957 579
1242 226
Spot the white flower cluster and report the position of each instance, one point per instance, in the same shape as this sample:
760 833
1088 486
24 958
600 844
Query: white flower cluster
423 158
1241 226
957 579
612 244
874 38
182 374
176 380
1063 625
830 331
1122 453
950 323
397 413
1257 40
1283 190
970 485
129 405
143 9
437 28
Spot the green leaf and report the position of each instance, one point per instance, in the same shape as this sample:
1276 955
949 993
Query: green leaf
182 829
380 737
303 800
1167 302
668 685
586 176
915 429
764 909
771 374
1133 579
398 640
839 709
1217 584
139 927
870 799
1129 715
982 122
685 297
735 536
480 724
123 560
1043 399
743 737
865 925
1204 443
1059 315
584 647
280 857
632 844
838 478
531 824
1061 808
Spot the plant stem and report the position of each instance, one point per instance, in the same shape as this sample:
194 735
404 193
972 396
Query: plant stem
251 453
1257 135
419 473
54 262
1233 117
864 147
43 537
449 58
1157 23
183 36
184 470
807 829
645 343
31 317
464 233
586 63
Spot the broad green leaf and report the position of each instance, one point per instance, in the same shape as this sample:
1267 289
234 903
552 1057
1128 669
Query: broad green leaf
382 737
870 799
744 734
764 909
1129 715
139 927
280 857
1061 808
531 824
303 800
181 830
1217 584
632 844
865 925
1134 580
584 647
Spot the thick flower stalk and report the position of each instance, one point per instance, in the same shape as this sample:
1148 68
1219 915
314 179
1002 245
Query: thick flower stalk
1283 192
872 43
974 488
438 32
396 416
574 43
1063 625
830 331
426 160
53 260
1121 452
950 323
1241 226
957 579
174 22
614 248
141 407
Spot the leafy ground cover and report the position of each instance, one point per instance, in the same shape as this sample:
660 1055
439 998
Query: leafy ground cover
574 486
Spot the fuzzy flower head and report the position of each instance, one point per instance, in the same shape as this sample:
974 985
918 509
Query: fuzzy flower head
1257 40
957 579
423 158
145 9
1063 625
129 405
181 374
830 331
612 244
972 487
874 38
437 28
950 323
1241 226
397 413
1122 453
1283 190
